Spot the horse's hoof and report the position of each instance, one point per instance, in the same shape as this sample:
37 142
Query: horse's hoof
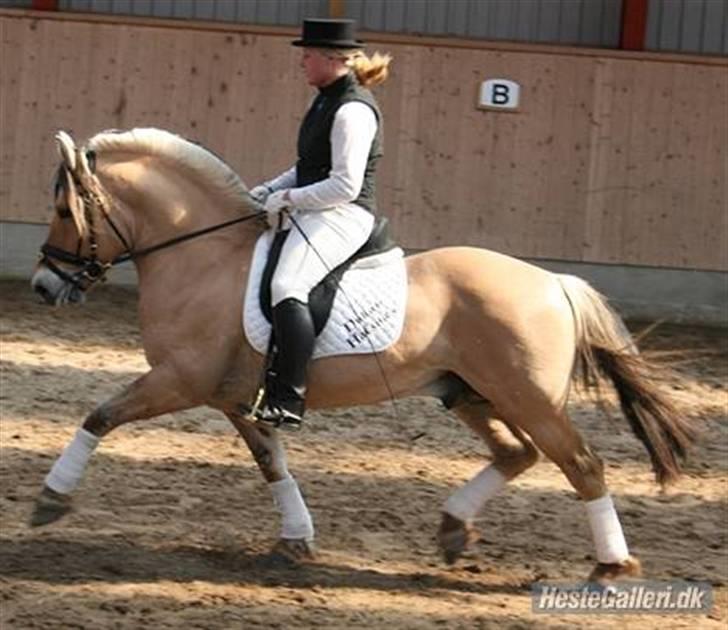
455 537
49 507
293 551
606 573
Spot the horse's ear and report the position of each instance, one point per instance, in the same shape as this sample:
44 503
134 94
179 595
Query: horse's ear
67 150
83 164
74 202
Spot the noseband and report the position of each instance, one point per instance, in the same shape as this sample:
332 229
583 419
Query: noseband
90 268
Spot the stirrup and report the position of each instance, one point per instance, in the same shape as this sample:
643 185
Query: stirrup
279 418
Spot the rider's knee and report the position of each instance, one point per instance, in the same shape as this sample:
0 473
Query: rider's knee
284 289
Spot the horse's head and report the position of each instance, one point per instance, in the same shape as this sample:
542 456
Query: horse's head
79 247
125 195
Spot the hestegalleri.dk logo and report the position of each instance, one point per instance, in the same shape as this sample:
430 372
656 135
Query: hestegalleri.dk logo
676 597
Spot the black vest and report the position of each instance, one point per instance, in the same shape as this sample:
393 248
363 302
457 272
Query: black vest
314 138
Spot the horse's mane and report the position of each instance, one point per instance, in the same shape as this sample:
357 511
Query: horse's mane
176 150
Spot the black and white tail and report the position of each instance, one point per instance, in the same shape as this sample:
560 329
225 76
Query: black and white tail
605 349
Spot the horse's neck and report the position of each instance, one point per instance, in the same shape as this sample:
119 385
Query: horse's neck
198 259
199 263
193 290
162 206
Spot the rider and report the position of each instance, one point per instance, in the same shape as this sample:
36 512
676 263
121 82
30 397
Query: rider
329 195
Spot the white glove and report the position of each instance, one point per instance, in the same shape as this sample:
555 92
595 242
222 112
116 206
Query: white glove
276 202
260 193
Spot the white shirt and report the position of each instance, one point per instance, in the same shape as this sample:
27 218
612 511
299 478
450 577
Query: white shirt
352 133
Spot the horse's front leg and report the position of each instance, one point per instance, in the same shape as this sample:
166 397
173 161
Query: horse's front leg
155 393
297 533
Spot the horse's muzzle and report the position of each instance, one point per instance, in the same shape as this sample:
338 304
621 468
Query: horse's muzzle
54 290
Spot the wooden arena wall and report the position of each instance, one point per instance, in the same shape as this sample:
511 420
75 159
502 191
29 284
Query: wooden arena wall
613 157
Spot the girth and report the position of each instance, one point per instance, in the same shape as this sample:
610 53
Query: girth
321 297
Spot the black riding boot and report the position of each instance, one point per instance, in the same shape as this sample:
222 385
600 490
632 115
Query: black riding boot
286 379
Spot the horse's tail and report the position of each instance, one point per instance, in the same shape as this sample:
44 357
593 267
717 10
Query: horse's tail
604 348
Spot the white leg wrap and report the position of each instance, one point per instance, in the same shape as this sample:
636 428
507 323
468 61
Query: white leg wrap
296 520
69 467
606 530
466 502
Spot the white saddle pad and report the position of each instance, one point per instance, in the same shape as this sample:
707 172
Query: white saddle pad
368 311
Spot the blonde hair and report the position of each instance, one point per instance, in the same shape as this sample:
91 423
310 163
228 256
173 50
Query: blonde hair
369 71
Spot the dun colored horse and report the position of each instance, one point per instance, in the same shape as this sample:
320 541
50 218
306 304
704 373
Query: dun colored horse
499 340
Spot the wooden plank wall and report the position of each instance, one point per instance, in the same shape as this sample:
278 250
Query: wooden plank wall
610 160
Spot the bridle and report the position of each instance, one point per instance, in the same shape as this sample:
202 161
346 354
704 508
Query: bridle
91 269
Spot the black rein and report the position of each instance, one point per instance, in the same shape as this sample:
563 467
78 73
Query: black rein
130 255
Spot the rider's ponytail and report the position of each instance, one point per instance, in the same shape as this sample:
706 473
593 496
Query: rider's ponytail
369 71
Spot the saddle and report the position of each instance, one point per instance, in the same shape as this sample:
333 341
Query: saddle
321 298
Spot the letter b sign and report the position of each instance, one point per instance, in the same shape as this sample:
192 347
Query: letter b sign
499 94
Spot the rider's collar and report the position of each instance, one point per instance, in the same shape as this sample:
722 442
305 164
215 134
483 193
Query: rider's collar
338 86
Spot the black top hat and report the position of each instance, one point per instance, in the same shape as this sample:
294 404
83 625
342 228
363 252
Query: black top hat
328 34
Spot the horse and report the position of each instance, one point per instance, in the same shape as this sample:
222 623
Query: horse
500 341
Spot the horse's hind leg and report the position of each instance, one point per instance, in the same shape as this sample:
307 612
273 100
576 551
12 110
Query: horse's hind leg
559 440
151 395
297 533
513 452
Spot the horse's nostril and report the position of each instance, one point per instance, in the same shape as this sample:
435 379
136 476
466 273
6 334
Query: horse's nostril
44 293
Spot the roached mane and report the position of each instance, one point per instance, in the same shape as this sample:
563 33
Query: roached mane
174 149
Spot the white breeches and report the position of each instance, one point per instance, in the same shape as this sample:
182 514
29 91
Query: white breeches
335 234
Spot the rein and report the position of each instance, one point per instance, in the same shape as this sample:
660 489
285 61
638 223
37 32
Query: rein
132 255
92 268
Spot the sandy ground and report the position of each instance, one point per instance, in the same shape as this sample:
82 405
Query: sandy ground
174 522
